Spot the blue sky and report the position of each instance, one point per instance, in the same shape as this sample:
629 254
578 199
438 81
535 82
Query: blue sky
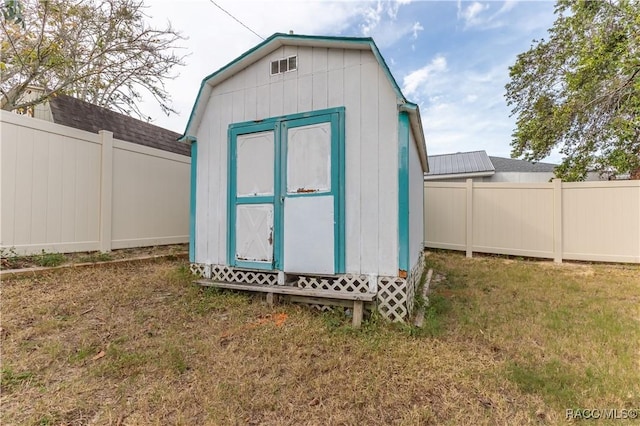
450 57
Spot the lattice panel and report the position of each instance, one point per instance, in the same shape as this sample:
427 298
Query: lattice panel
199 269
222 273
231 275
252 277
413 282
347 283
322 308
395 296
392 298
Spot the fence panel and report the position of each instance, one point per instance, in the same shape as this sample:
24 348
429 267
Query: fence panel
445 206
597 221
510 220
601 221
156 209
66 190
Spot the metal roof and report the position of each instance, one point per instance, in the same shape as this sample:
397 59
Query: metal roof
460 163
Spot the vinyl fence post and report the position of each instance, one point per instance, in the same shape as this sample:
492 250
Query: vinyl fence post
106 189
557 220
469 230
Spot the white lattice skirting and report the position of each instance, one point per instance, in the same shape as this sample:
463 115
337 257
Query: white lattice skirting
395 295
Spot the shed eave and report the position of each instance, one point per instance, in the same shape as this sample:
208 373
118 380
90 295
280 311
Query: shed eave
415 121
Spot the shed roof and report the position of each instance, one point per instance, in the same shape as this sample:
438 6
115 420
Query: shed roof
279 39
475 163
73 112
513 165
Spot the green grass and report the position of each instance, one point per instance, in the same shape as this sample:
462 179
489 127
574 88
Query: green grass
50 259
95 257
10 379
568 333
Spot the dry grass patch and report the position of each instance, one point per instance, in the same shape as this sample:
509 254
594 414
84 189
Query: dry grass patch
505 343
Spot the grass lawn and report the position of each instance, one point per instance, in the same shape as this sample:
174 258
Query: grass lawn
504 342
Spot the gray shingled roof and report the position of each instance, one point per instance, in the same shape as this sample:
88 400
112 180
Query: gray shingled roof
512 165
460 163
82 115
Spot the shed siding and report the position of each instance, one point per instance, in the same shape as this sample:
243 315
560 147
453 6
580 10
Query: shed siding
325 78
416 204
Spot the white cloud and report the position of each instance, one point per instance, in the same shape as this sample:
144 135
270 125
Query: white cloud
371 17
476 14
471 13
379 22
506 6
417 27
414 81
464 110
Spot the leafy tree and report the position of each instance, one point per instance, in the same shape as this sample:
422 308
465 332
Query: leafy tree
580 90
100 51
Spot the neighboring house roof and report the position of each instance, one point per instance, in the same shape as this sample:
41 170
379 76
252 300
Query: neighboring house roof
82 115
477 164
459 165
278 40
512 165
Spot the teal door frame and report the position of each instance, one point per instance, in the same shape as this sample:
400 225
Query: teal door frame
280 125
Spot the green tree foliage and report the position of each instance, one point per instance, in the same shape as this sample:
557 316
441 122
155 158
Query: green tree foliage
100 51
579 91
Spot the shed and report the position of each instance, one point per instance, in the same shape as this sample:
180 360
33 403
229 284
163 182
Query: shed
307 172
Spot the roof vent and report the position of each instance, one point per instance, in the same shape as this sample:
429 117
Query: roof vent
284 65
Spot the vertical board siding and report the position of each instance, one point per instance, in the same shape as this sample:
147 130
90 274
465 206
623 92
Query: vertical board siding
369 163
353 142
205 175
218 212
51 186
388 175
324 78
599 221
416 204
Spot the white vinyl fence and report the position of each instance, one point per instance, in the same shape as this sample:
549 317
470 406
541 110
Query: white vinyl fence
592 221
66 190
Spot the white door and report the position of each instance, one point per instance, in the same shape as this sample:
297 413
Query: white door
254 199
309 222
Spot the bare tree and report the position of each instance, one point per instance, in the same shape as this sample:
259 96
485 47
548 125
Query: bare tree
100 51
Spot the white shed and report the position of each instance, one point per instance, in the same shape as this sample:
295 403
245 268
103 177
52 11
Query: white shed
307 171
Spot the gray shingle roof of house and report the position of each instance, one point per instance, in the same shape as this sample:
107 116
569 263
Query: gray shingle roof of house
460 163
82 115
512 165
